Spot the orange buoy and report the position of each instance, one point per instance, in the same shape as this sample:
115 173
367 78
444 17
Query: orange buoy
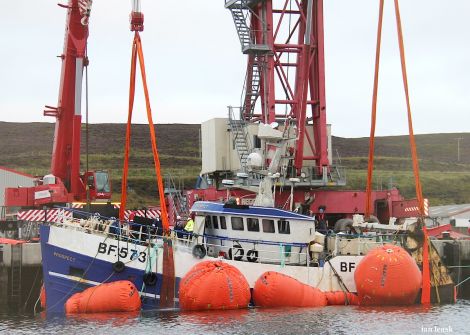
42 297
341 298
213 285
274 289
118 296
387 275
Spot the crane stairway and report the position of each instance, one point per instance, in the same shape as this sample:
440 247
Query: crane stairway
252 86
240 138
179 203
240 10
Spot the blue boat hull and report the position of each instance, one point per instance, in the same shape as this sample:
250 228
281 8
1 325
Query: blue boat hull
62 280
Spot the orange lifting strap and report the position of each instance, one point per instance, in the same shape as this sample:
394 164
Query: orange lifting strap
137 51
168 283
426 288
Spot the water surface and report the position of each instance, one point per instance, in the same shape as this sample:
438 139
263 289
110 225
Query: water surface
454 319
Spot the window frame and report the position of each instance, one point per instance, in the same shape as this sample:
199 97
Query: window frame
272 224
242 221
284 231
207 222
215 221
223 223
248 220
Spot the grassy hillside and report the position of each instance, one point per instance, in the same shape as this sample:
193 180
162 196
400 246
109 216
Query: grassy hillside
27 147
444 178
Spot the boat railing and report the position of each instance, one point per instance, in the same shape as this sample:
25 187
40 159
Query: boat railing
354 244
256 251
259 251
228 248
93 223
125 230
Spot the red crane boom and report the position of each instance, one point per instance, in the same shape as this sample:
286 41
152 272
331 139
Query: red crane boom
66 184
65 162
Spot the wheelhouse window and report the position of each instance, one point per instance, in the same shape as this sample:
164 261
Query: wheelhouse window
237 223
102 182
223 224
283 227
252 224
268 226
215 222
207 222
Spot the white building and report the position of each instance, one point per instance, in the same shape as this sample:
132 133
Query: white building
456 215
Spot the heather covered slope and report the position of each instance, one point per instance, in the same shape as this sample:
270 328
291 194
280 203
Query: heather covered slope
27 147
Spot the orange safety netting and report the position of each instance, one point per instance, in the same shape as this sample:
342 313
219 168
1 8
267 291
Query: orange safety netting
426 288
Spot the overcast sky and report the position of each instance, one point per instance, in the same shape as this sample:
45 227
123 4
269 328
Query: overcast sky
195 67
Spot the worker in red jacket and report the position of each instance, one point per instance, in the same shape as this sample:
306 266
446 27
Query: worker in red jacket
322 225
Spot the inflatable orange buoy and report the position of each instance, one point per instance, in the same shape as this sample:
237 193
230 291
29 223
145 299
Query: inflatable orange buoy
213 285
118 296
341 298
274 289
387 275
42 297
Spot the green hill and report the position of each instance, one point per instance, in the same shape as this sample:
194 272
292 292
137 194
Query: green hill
27 147
444 178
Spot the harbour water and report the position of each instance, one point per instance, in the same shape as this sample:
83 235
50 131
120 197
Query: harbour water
445 319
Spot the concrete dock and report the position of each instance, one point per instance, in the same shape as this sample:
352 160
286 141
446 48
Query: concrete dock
20 275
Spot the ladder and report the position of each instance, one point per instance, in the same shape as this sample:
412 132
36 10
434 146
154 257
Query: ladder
15 275
180 202
240 138
240 10
27 230
252 85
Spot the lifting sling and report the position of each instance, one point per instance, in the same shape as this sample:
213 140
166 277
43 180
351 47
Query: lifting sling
168 284
426 288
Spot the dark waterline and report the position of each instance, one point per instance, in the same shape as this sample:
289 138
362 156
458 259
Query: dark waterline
327 320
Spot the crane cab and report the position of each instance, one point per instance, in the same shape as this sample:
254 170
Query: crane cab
98 183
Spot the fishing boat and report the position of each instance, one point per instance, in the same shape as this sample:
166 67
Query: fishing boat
273 150
81 253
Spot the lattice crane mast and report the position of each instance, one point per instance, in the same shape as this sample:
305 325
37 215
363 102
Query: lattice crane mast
285 80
